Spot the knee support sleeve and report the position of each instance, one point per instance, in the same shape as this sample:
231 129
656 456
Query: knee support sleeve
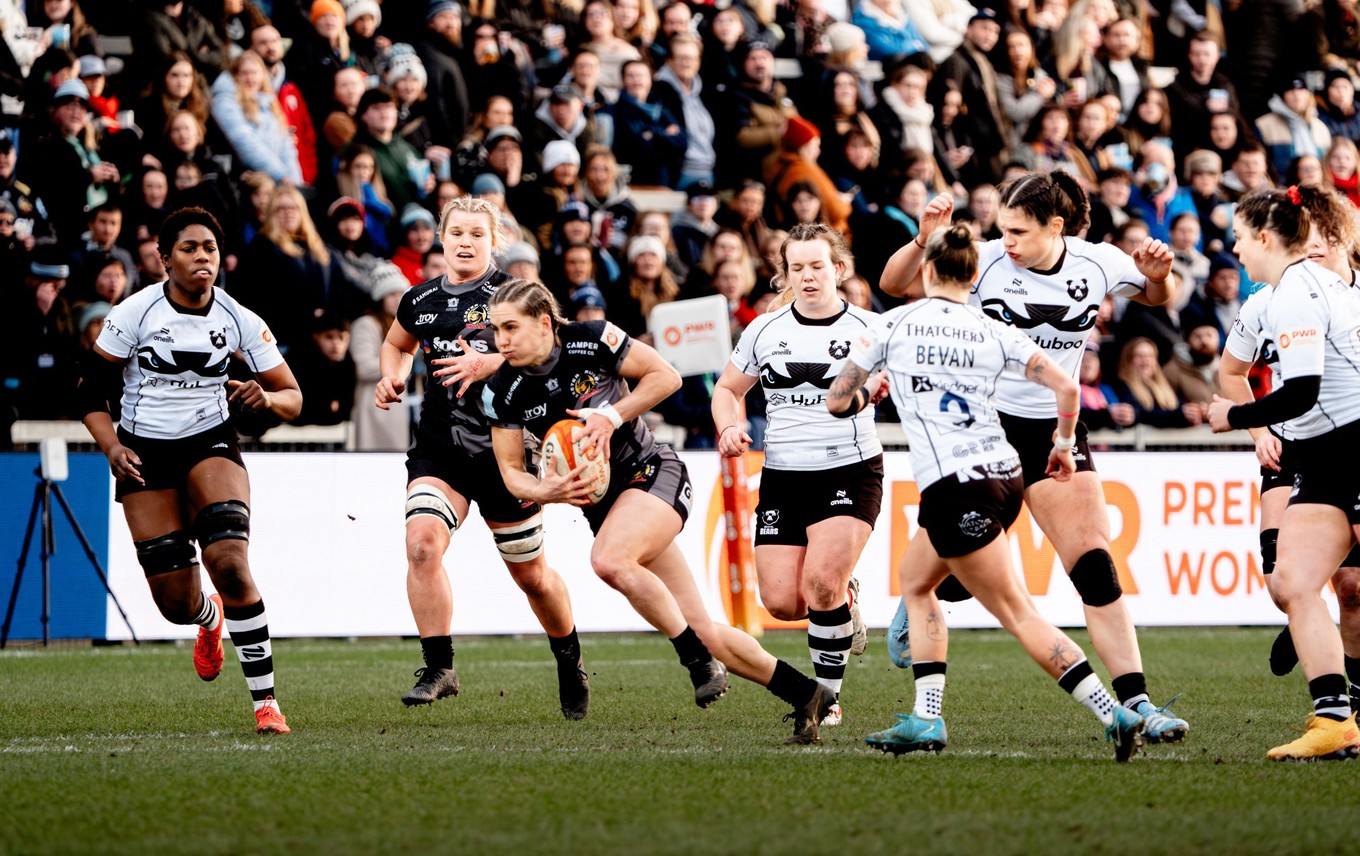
167 553
223 521
1269 538
1095 578
428 499
522 542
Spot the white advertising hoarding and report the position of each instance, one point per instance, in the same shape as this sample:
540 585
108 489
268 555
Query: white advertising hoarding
693 335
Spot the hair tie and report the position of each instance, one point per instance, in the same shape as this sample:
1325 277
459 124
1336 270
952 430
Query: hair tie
1295 197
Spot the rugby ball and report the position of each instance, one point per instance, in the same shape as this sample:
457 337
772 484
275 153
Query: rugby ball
563 451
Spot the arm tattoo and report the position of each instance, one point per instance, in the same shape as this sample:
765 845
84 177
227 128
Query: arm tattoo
851 378
935 628
1063 655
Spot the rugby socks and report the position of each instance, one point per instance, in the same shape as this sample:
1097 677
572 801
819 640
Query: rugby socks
437 651
249 629
1353 675
1084 686
929 688
567 649
830 633
690 647
1131 689
208 614
1330 700
791 685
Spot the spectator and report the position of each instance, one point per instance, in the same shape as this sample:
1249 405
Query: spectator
657 224
724 50
903 115
320 51
39 344
99 242
501 64
1109 203
971 70
349 241
846 113
406 177
758 110
75 179
340 123
588 304
1149 121
406 78
1100 407
796 164
1026 88
90 323
1250 171
325 373
1342 160
677 19
1338 112
377 430
13 253
562 117
177 86
1304 171
1099 137
440 48
1121 43
940 24
505 159
169 27
726 246
1190 265
887 29
646 133
235 22
1292 127
646 283
1227 134
146 205
470 156
584 74
150 266
358 178
1193 368
745 212
1199 92
1217 302
265 41
258 189
1157 197
108 282
103 103
557 187
1143 384
985 206
28 206
417 230
362 20
601 39
247 110
693 227
608 199
1049 145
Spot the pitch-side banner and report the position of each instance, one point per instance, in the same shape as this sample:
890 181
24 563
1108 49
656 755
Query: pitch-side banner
327 550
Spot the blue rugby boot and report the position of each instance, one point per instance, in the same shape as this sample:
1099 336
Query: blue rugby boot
1159 725
912 733
899 646
1126 732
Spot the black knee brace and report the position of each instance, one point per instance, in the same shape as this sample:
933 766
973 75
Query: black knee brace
222 521
1095 578
951 590
172 552
1269 538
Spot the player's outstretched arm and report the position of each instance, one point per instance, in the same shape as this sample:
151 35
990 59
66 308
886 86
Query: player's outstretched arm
1236 387
729 411
901 275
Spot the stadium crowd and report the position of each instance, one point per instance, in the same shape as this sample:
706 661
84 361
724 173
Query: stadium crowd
326 137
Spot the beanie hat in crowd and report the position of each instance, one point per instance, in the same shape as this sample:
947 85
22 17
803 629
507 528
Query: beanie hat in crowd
386 278
799 133
356 9
415 213
1222 261
843 38
487 182
521 251
345 206
439 7
97 311
559 152
645 244
321 8
403 63
587 297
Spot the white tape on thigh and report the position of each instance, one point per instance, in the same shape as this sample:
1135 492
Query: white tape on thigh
522 542
428 499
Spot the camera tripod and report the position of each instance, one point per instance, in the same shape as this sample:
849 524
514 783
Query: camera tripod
43 493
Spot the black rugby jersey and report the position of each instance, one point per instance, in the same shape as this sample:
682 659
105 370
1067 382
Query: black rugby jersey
437 313
582 371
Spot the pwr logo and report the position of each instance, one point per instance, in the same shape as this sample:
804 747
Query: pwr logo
672 335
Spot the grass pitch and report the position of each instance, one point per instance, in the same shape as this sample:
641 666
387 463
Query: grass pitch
124 750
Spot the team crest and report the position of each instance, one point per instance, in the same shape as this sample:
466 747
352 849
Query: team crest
218 339
475 315
584 383
552 385
769 517
839 350
453 304
1077 289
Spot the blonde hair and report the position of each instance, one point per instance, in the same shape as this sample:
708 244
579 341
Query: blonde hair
1155 391
649 295
311 243
348 185
473 205
250 104
644 30
840 255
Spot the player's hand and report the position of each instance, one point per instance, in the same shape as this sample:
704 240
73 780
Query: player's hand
249 395
938 213
572 488
1218 414
464 369
878 387
388 391
123 462
597 432
1060 465
1268 451
733 441
1153 259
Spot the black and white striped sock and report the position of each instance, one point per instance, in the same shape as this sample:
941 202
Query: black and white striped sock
208 614
830 634
1330 697
249 629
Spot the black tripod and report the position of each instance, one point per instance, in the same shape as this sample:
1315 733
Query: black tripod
42 501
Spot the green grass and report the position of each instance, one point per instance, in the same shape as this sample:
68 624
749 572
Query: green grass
119 750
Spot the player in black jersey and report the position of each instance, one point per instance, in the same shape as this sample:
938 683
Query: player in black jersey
554 370
450 464
174 456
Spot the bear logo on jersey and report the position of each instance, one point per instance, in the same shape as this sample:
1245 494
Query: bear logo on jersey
839 350
769 522
1077 289
219 340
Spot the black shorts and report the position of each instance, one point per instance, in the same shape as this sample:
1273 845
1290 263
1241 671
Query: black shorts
662 474
1327 470
966 511
1033 440
166 463
475 477
793 500
1285 477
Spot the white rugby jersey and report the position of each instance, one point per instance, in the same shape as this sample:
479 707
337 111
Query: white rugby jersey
797 359
1055 308
945 361
174 381
1248 341
1314 320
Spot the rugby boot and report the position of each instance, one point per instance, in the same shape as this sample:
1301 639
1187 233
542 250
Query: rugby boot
431 685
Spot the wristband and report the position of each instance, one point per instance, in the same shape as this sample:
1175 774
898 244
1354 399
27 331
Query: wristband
725 430
607 411
917 241
1074 414
1064 444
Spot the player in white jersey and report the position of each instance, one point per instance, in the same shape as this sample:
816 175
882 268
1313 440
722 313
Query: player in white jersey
1334 234
1313 318
178 470
945 361
822 484
1049 284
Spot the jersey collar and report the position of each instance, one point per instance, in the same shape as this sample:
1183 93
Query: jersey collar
1057 266
185 310
819 322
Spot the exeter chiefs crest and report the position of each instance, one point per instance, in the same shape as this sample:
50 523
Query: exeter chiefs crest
584 383
1077 289
475 315
839 350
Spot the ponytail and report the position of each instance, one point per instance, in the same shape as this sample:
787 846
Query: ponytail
953 254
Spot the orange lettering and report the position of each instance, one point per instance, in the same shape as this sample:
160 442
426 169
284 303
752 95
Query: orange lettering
1036 555
1221 559
1229 503
1255 579
1183 573
904 495
1122 545
1169 505
1205 496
